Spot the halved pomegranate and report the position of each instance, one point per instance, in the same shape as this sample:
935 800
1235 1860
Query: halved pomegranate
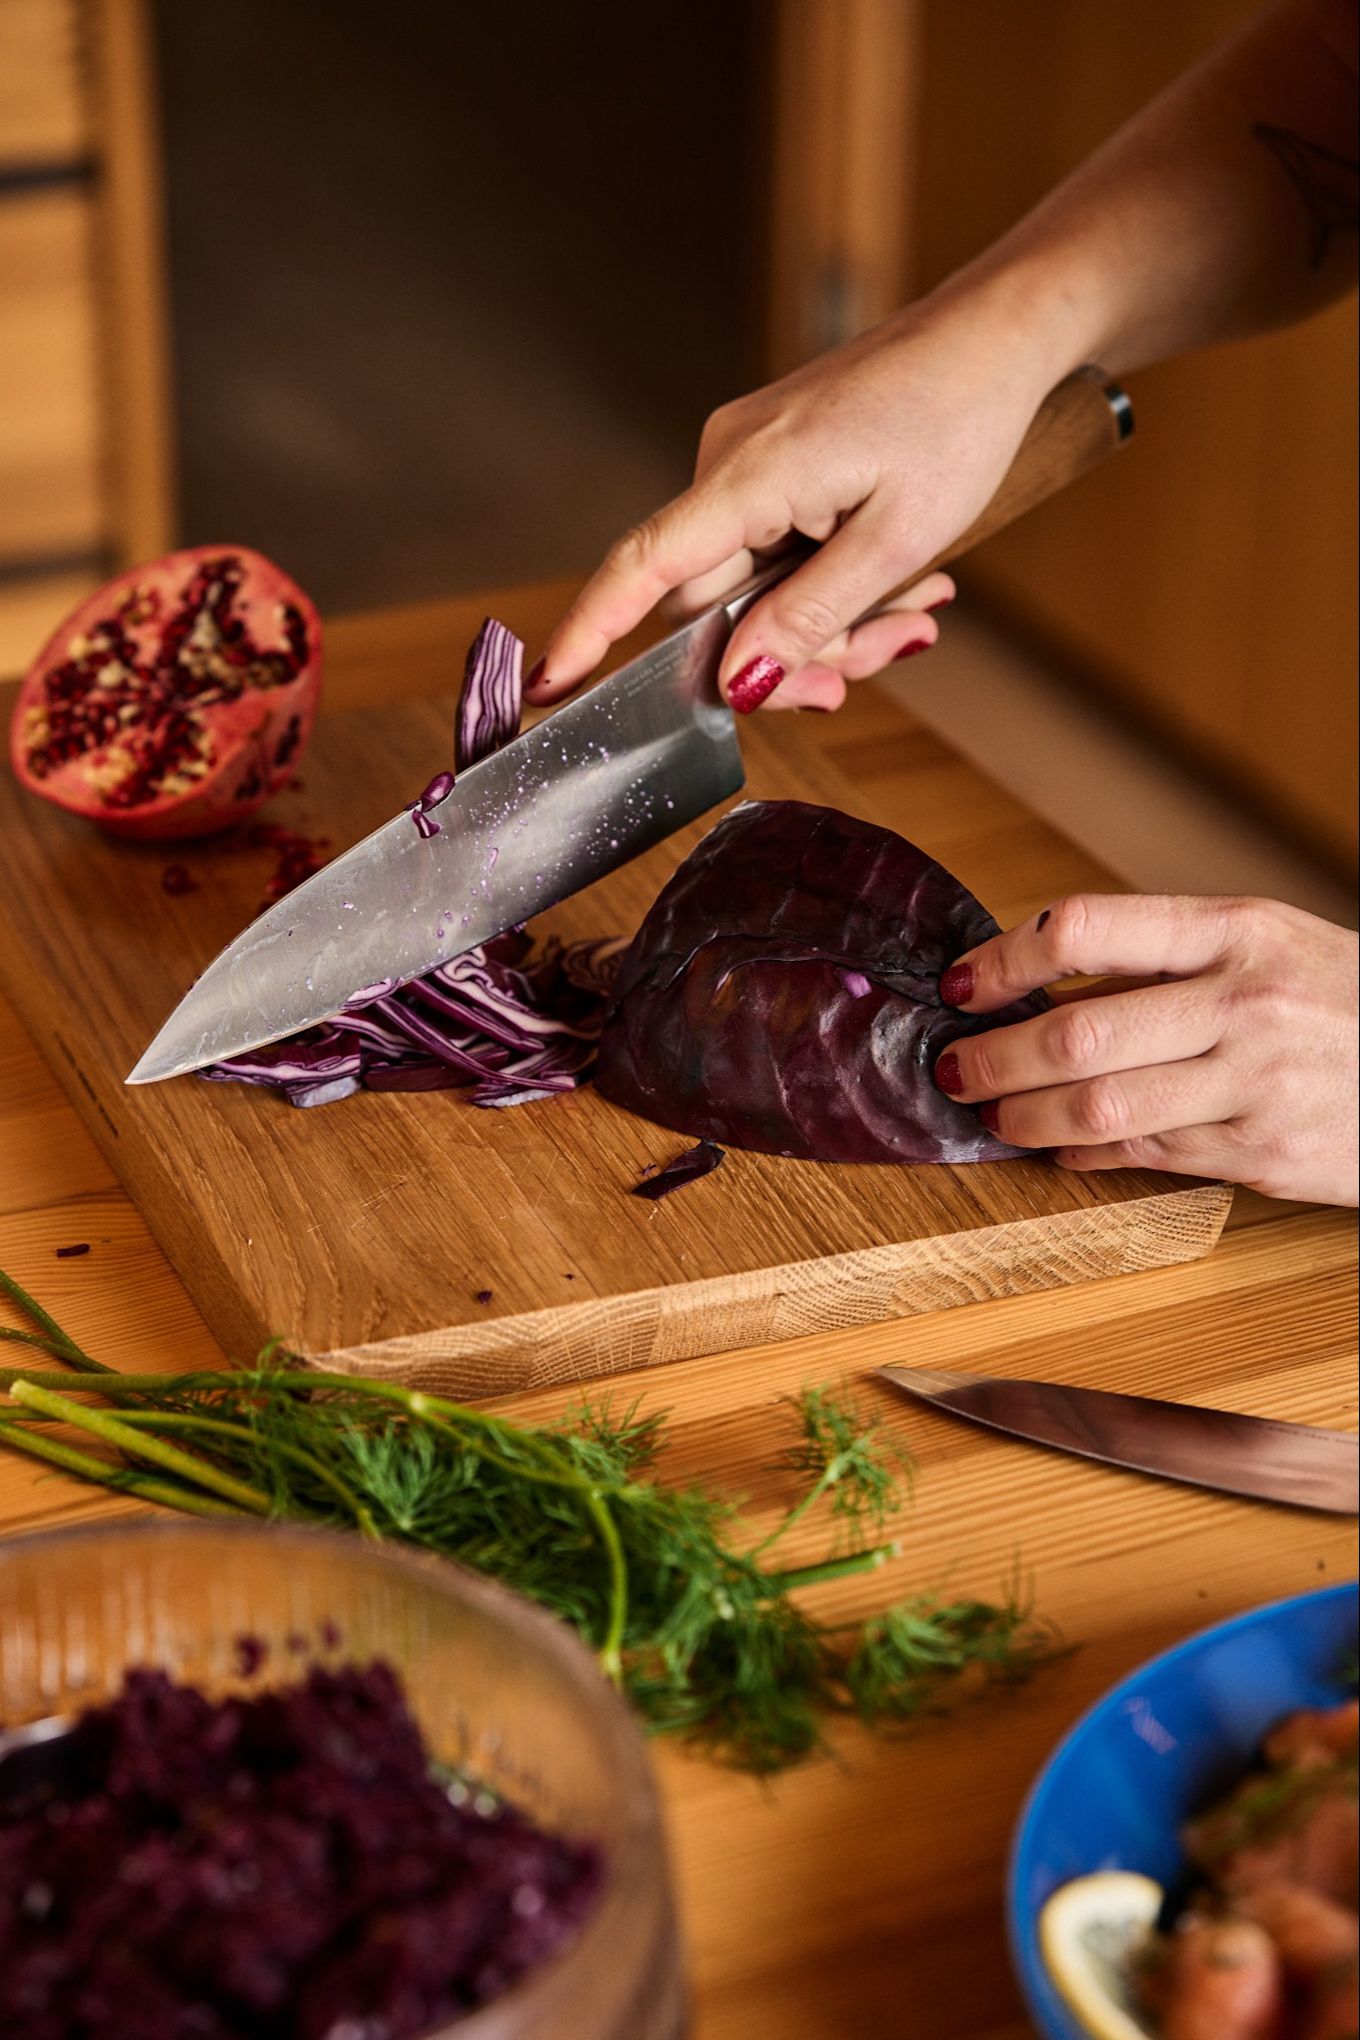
175 700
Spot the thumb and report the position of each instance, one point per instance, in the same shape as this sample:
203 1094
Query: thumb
788 627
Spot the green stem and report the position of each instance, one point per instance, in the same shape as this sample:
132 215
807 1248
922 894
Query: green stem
828 1480
110 1385
38 1339
139 1446
831 1569
176 1420
125 1480
33 1309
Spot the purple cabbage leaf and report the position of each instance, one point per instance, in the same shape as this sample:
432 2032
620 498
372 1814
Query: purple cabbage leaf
783 994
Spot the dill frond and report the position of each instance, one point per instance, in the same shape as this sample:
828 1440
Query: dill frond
708 1641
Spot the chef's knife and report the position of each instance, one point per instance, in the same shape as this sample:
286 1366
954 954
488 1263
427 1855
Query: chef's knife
590 786
1239 1455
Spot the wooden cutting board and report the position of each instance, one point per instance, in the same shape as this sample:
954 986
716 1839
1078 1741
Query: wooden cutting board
365 1232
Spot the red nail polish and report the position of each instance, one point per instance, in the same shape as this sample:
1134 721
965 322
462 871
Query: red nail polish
943 603
535 674
956 986
916 645
948 1075
990 1115
756 681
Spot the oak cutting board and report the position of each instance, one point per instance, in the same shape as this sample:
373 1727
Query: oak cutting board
366 1231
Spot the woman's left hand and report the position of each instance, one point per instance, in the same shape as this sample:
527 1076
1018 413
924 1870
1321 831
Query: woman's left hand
1223 1044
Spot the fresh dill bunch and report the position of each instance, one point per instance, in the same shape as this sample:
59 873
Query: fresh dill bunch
708 1640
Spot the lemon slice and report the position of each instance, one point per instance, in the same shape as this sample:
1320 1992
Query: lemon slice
1090 1932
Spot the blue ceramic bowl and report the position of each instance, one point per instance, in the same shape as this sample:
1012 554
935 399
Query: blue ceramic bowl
1116 1790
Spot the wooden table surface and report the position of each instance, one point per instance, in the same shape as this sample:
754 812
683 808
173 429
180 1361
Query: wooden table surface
862 1893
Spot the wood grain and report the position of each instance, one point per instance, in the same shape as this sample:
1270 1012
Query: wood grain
1160 581
366 1232
42 114
132 295
861 1895
51 497
844 77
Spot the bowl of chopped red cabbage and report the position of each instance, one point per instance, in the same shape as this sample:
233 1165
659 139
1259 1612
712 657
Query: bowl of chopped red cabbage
272 1782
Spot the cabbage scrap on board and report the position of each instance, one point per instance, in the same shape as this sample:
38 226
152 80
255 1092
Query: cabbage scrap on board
783 994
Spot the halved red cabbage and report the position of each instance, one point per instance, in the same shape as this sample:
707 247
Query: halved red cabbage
505 1022
783 994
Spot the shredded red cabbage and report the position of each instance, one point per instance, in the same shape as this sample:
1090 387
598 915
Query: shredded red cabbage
686 1168
439 788
507 1023
492 700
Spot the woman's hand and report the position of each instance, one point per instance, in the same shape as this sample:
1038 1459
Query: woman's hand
1231 1054
884 451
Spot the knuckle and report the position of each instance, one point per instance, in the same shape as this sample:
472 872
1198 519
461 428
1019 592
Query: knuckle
1070 924
1257 999
1100 1110
1255 926
806 619
1080 1039
978 1065
638 548
1144 1152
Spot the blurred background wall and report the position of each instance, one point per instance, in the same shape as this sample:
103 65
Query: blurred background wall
424 297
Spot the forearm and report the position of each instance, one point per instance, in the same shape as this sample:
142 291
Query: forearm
1225 207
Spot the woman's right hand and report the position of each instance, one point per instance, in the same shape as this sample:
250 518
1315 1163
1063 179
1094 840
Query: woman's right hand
884 451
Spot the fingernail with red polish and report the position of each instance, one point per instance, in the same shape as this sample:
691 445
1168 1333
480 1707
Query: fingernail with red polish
956 986
948 1075
990 1115
535 674
943 603
916 645
756 681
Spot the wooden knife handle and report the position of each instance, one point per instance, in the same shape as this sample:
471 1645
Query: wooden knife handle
1085 418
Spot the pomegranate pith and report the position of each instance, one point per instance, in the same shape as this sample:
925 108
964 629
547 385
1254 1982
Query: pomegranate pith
176 699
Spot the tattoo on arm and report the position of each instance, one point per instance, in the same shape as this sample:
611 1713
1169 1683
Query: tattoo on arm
1328 184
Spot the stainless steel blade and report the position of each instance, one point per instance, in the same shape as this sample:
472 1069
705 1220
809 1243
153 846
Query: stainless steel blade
597 782
1239 1455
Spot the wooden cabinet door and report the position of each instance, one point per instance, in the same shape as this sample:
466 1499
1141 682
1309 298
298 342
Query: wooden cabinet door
85 467
1206 580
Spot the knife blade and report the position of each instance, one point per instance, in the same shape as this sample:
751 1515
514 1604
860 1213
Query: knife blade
590 786
594 784
1298 1464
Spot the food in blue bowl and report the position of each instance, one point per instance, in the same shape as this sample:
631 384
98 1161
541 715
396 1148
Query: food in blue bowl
1100 1863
